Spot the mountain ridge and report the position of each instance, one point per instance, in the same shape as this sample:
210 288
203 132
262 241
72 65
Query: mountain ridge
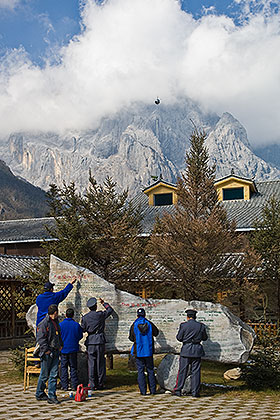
132 146
19 198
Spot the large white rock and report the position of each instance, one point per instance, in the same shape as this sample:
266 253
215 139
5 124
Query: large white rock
230 339
167 373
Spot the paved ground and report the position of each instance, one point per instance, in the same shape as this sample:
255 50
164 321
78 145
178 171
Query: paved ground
112 405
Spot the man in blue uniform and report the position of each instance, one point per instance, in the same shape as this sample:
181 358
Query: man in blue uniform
190 333
49 297
141 333
94 324
71 334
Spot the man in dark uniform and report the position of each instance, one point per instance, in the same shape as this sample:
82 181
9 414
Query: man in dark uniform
190 333
94 324
141 333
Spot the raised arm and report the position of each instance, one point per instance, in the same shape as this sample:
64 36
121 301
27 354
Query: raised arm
62 294
108 308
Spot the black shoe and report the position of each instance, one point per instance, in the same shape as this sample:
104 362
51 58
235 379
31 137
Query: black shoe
176 394
196 396
53 401
43 397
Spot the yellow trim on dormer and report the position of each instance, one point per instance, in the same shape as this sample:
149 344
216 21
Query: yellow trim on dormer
161 188
235 182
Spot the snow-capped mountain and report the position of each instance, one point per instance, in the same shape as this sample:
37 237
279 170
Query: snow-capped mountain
132 146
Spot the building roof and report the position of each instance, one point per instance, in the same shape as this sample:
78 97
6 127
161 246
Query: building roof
12 266
245 213
159 183
237 178
25 230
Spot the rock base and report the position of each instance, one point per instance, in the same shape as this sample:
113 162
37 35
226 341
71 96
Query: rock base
167 372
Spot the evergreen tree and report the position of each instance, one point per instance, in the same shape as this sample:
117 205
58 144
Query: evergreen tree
113 227
266 241
98 231
194 241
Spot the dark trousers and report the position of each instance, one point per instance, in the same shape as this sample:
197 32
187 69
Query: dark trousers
148 363
96 365
49 372
184 364
70 360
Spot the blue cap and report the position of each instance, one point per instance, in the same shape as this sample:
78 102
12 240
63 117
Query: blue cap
91 302
48 286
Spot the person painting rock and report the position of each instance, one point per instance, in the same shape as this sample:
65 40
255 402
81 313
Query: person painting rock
49 297
93 323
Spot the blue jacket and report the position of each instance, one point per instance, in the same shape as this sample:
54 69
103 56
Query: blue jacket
46 299
191 333
142 332
71 334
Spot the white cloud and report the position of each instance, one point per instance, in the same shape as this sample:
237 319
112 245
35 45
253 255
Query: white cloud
9 4
134 50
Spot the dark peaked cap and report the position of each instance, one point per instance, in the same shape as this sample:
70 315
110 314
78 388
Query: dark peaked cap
91 302
191 313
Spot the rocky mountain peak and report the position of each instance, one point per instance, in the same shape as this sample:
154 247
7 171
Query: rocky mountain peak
132 146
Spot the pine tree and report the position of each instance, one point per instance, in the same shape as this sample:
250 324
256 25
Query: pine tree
113 227
266 241
193 242
99 231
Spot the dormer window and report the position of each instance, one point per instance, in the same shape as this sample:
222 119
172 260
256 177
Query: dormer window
161 193
163 199
235 187
233 193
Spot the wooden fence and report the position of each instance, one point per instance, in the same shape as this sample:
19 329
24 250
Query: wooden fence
260 327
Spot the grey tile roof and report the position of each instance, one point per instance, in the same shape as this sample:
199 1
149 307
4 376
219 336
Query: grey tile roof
245 213
12 266
25 230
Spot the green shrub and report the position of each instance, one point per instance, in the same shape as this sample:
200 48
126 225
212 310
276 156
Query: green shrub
17 355
262 371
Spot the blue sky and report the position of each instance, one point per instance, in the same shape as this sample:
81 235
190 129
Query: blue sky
65 64
42 25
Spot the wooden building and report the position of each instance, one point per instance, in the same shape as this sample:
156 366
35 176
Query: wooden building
12 291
